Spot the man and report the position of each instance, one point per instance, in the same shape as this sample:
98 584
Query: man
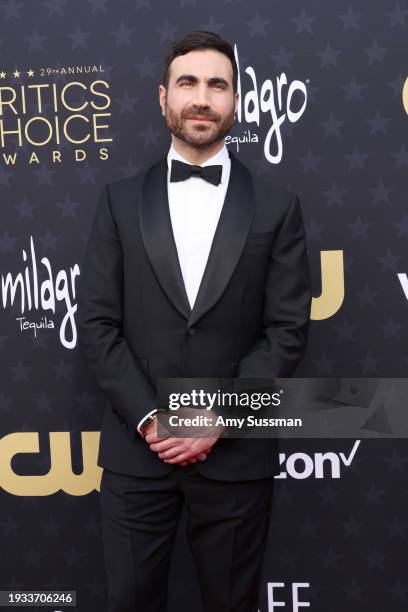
192 269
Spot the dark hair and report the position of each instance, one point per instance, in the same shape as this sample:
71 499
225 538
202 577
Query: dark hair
200 39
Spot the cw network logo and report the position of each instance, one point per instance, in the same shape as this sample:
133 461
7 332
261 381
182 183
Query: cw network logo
318 465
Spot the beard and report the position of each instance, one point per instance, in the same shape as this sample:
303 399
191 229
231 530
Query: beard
199 134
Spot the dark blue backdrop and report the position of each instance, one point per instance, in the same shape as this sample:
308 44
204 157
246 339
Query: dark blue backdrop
341 532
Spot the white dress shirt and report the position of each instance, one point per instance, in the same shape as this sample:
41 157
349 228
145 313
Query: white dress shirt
195 206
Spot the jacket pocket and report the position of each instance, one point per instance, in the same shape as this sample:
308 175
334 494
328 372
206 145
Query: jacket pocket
258 243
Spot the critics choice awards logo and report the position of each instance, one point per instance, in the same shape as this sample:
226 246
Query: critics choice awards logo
51 114
47 110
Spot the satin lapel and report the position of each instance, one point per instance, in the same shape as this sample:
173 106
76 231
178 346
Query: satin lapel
229 239
158 238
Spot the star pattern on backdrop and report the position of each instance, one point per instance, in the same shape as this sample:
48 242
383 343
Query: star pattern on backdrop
346 157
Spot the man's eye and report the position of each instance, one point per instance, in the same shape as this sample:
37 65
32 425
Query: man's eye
186 83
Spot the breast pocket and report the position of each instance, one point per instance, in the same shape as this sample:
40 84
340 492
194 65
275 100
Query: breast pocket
258 242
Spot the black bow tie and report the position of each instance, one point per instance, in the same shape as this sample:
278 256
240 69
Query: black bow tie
181 171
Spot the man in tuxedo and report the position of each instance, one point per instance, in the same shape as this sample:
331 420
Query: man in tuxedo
193 268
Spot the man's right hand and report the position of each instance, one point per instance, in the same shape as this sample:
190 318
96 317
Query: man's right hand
152 431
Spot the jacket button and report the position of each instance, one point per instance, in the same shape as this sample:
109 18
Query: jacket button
191 331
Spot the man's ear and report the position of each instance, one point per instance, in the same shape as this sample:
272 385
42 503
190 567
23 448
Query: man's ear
162 97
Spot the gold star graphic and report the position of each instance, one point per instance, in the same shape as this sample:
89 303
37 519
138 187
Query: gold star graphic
16 74
3 74
30 73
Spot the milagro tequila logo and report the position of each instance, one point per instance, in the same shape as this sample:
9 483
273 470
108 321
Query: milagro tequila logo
27 292
275 101
403 279
403 276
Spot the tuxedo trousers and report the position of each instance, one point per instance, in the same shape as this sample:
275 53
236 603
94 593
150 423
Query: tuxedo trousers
227 525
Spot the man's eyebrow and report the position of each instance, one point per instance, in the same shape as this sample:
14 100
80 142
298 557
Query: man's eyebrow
216 80
194 79
186 77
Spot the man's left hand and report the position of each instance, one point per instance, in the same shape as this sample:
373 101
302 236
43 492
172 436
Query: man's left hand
178 450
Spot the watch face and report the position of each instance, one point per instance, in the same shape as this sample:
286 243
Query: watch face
147 423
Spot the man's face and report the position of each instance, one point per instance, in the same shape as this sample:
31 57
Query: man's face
199 103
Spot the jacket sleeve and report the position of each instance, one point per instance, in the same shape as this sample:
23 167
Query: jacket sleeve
286 314
287 302
99 321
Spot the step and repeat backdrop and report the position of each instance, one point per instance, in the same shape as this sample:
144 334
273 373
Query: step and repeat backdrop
323 111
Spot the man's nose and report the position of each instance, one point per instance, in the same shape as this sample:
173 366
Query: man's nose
201 95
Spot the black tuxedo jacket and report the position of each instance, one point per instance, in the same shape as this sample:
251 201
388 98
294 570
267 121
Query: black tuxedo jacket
135 324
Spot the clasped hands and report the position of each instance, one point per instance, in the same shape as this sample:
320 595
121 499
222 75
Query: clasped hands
181 451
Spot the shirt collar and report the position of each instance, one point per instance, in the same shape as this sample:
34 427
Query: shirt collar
222 157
